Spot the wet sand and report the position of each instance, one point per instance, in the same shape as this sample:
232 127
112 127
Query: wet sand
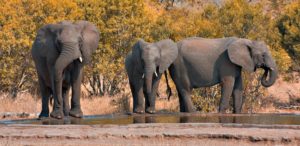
150 134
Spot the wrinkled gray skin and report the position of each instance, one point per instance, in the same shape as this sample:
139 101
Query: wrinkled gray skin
205 62
59 52
145 65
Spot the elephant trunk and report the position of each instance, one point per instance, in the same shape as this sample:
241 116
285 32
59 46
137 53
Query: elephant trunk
272 77
271 73
148 81
69 52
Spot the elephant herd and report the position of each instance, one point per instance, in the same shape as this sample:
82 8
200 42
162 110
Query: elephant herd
61 50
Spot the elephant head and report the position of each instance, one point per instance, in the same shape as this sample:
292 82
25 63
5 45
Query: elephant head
251 55
67 39
71 41
153 59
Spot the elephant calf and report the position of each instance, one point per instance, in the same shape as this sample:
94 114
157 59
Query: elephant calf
205 62
145 65
59 52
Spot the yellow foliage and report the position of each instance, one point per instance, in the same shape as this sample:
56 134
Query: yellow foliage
289 27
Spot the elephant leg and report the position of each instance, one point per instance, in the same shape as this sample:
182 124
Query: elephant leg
65 92
150 101
46 93
137 93
57 111
76 77
238 95
183 89
181 105
185 101
227 87
66 101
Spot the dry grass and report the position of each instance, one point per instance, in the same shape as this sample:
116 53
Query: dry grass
281 98
22 103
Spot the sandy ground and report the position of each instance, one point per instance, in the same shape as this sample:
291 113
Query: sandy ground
150 134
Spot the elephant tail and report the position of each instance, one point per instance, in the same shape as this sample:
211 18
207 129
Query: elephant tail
168 91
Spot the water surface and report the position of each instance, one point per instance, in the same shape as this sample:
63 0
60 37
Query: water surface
121 119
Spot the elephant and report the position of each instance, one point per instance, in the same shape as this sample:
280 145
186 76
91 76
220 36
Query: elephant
204 62
144 66
59 53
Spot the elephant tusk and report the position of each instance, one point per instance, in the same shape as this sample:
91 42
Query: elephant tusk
272 68
143 76
80 59
156 74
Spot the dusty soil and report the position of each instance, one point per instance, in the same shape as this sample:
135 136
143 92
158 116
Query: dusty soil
149 134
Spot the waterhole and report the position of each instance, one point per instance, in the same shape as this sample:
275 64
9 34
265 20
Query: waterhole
121 119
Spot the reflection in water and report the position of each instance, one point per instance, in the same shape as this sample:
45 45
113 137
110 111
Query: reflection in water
66 120
266 119
143 119
227 119
185 119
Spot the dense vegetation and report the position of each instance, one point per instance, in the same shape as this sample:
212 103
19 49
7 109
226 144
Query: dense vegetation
122 22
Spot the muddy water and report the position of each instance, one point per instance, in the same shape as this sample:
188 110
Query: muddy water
265 119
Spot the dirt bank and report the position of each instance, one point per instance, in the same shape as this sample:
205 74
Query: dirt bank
149 134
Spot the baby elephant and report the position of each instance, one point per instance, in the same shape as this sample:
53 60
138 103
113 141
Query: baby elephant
145 65
59 52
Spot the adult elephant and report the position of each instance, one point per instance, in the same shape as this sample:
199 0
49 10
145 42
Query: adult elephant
59 52
144 65
205 62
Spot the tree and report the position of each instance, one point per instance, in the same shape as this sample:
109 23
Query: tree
289 28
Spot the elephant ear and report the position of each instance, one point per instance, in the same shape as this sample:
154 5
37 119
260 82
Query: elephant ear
89 39
169 53
136 52
239 53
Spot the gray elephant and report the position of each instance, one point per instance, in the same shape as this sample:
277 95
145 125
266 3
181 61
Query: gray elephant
59 52
205 62
145 65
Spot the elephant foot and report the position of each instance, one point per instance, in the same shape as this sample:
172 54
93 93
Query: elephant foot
66 112
77 113
237 112
43 114
150 110
57 114
139 110
223 110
